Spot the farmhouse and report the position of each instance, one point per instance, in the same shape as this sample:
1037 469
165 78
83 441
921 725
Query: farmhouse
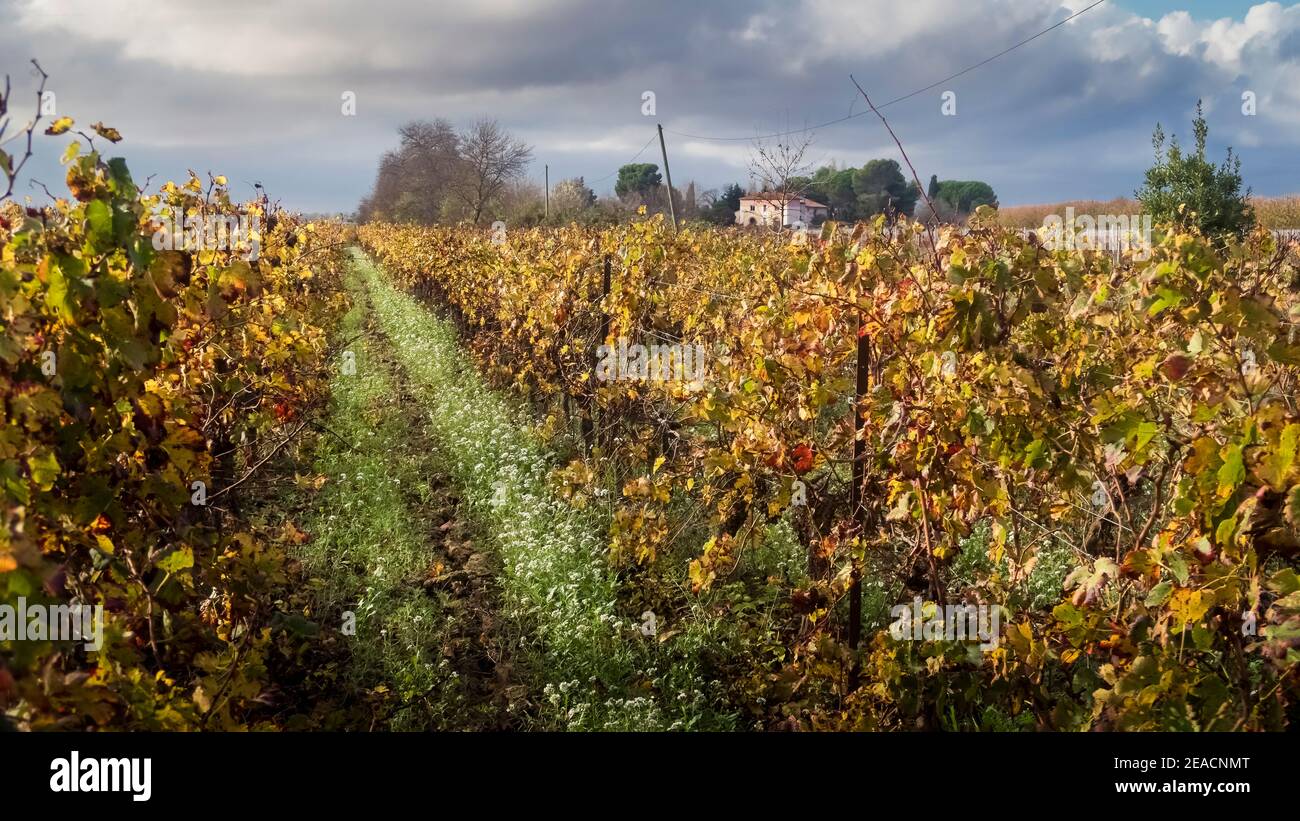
766 209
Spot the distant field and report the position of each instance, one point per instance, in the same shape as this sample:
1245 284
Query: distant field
1273 212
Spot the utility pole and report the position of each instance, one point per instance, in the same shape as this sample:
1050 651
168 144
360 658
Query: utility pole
548 190
672 209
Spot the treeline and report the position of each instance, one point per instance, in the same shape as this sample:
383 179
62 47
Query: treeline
879 187
438 175
850 194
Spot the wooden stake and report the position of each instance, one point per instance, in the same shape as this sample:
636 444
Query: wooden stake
859 474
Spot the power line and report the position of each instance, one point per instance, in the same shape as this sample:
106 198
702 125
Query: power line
634 158
907 96
848 117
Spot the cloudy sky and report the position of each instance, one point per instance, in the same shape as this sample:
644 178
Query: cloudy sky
254 89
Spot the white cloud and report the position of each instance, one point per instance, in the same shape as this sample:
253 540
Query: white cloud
1179 32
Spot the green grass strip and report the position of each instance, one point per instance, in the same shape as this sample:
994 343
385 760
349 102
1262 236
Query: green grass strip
601 674
366 543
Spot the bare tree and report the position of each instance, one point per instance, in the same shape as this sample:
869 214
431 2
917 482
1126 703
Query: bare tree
381 204
779 170
430 163
489 158
414 181
572 195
